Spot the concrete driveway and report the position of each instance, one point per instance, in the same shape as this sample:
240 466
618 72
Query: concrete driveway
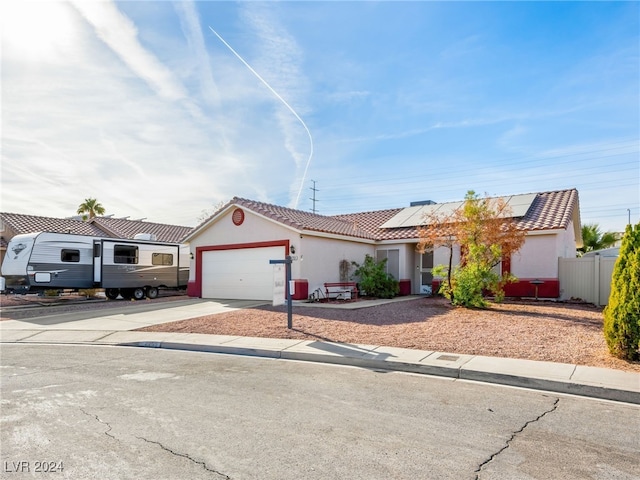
130 317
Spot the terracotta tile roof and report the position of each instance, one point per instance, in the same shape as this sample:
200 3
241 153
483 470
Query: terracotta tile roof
20 223
302 220
548 211
98 227
371 221
123 228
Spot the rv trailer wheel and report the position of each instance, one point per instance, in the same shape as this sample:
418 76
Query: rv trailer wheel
138 293
152 292
127 293
112 293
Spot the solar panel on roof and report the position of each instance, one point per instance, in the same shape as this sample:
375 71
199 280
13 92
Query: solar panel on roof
520 204
419 215
399 218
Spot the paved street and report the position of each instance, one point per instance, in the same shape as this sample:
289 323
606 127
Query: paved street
119 413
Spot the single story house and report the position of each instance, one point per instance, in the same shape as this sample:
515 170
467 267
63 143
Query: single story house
231 250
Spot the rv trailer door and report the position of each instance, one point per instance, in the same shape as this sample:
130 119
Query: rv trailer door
97 262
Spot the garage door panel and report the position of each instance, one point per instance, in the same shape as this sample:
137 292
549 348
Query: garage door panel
239 274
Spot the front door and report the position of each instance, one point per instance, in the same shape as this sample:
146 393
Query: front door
426 275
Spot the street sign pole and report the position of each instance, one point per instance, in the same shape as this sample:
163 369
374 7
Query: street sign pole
287 267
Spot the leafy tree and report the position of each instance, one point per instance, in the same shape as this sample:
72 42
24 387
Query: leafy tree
594 239
91 207
622 313
487 234
374 279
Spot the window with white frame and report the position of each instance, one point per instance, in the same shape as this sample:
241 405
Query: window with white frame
393 261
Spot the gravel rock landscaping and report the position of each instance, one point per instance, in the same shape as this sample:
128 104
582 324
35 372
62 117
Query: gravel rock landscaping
549 331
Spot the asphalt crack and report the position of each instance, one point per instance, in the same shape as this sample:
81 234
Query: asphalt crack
478 471
188 457
109 428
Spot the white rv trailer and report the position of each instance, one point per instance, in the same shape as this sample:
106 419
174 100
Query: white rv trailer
131 268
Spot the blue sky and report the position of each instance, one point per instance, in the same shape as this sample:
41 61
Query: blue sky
142 106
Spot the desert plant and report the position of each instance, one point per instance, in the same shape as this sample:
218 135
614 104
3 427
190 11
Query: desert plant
594 239
345 267
487 235
374 279
88 292
52 293
622 313
91 207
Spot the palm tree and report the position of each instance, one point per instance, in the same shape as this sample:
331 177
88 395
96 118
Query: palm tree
594 239
92 207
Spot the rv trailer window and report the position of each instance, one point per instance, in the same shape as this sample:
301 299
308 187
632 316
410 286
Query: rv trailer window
70 255
96 250
125 254
162 259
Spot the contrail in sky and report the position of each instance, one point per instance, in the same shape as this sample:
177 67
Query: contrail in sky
283 101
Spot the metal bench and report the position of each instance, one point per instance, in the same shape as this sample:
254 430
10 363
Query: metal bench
341 290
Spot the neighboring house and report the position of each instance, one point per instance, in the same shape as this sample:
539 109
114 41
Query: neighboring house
12 224
231 250
605 252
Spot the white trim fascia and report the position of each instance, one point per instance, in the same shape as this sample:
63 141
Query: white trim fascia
315 233
309 233
398 241
555 231
271 220
335 236
207 224
417 239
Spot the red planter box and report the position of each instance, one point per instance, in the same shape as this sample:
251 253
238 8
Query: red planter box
301 289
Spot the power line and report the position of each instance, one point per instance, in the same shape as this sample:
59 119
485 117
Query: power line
313 209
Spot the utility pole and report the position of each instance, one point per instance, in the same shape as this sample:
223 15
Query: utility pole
314 197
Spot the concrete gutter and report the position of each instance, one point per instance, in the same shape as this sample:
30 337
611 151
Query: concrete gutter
592 382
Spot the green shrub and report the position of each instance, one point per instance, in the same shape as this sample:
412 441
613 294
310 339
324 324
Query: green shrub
52 293
622 313
374 279
467 285
470 282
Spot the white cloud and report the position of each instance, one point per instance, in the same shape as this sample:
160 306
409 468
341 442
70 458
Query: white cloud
278 62
120 34
193 32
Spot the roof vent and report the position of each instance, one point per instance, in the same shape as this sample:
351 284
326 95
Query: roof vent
422 202
144 236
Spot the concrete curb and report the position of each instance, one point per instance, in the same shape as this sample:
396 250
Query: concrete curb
571 379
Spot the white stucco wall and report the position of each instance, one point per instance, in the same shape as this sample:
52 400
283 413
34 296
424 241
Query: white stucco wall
253 229
567 243
320 258
538 257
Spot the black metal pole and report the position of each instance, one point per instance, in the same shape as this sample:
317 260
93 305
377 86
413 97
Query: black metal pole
287 264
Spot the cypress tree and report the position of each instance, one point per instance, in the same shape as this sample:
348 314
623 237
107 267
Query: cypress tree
622 313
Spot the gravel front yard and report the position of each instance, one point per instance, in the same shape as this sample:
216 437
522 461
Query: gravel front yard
557 332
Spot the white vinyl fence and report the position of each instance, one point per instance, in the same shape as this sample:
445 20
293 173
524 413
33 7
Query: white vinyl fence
588 279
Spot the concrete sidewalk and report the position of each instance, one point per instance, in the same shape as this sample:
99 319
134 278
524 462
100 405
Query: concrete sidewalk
555 377
116 327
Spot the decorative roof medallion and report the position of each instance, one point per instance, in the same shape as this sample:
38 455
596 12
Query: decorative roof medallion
237 217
